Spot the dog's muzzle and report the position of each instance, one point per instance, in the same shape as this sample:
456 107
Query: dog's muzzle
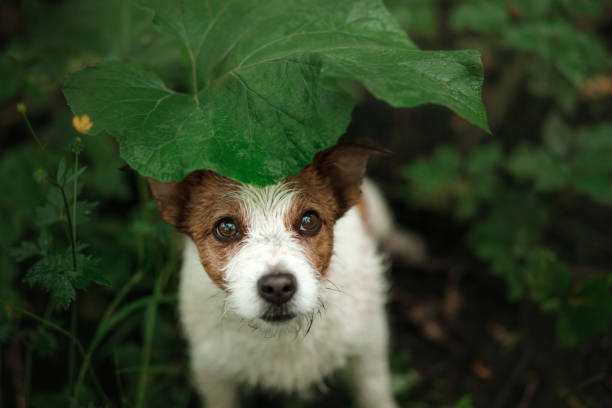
277 289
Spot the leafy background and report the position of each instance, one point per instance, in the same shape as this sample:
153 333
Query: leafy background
513 306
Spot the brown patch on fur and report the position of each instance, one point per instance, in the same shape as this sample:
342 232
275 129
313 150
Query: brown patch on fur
313 194
363 213
194 206
329 186
343 168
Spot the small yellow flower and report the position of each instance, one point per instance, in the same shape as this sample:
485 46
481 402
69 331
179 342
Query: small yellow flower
82 124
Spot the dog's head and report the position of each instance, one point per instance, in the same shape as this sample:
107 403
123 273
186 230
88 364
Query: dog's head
268 248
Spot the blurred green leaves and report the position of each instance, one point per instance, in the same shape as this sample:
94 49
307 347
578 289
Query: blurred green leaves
415 16
465 402
61 38
509 221
587 312
539 27
511 197
568 160
60 269
446 181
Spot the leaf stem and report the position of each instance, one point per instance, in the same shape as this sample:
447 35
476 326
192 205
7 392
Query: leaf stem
99 330
73 310
31 129
194 75
106 325
151 316
67 208
28 373
72 349
66 333
74 200
120 295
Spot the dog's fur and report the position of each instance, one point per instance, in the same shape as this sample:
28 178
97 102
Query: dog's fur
340 297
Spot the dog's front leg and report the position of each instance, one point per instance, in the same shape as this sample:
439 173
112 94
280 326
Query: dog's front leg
217 392
371 379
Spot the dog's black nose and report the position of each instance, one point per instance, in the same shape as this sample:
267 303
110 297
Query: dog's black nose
277 288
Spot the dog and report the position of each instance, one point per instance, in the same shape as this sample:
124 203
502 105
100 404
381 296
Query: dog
282 285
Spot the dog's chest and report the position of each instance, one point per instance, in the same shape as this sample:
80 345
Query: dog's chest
285 362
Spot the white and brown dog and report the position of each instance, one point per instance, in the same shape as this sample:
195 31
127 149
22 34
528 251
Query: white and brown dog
282 285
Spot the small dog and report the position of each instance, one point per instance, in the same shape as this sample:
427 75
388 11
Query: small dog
282 285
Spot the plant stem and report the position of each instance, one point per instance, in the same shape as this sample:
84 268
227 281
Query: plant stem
118 378
29 352
72 243
28 373
73 309
105 326
151 316
72 349
107 314
66 333
31 129
74 199
120 295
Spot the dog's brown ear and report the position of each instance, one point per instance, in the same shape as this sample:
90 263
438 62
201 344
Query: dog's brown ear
344 166
172 199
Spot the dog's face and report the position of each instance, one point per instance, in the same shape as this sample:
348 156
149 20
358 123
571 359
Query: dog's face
268 248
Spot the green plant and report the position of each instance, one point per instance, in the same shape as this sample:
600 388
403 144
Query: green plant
60 270
266 96
509 220
514 197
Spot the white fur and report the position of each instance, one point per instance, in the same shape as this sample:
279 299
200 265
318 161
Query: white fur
341 320
268 246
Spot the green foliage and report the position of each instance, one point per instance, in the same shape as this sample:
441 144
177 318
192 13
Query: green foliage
465 402
60 271
41 58
56 274
539 27
512 199
509 223
415 16
588 312
446 179
259 108
568 160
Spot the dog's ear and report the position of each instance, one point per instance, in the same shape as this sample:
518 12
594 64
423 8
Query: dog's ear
172 198
344 166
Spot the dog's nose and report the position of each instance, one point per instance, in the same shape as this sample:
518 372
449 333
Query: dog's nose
277 288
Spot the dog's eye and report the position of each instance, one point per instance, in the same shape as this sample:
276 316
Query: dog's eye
310 223
226 230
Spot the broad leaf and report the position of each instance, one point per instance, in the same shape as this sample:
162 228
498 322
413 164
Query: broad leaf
259 109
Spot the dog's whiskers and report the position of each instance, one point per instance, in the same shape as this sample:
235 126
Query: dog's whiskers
309 324
335 287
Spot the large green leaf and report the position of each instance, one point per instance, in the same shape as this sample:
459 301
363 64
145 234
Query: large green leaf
259 110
